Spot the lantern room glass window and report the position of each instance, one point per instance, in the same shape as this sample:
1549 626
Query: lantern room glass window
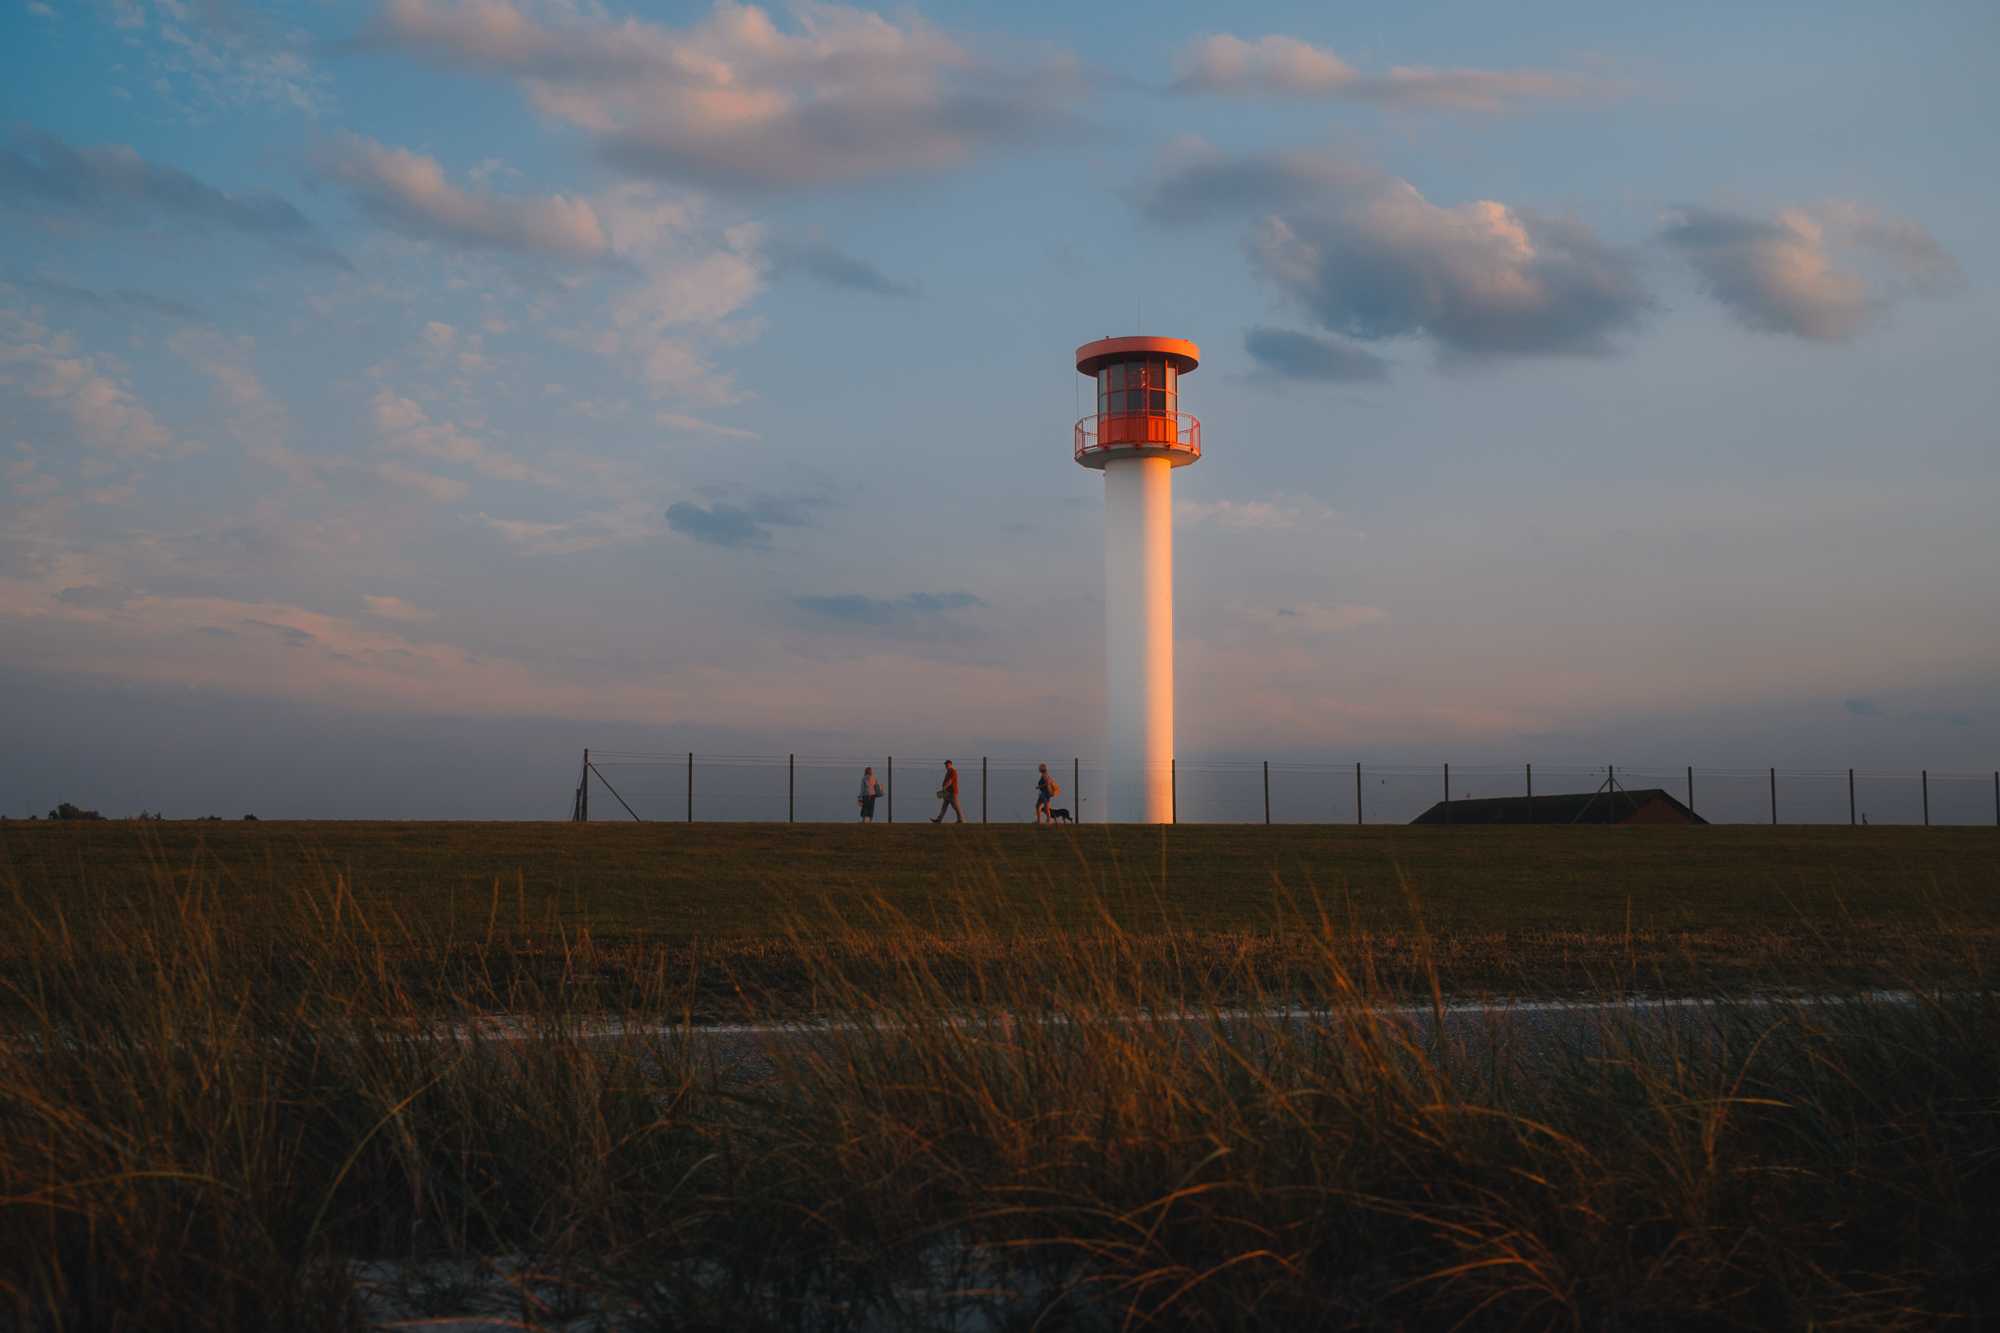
1137 386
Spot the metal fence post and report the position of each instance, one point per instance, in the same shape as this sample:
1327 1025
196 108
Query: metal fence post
892 788
1267 791
982 789
1690 788
791 789
1531 794
1076 785
1850 796
690 786
1357 792
583 791
1927 797
1774 796
1173 791
1447 793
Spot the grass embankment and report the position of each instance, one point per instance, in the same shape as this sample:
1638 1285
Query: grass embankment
1552 910
211 1118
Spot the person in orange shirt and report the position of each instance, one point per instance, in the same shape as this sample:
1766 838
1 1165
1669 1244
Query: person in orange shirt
949 793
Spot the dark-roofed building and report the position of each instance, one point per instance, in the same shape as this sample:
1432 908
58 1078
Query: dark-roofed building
1649 806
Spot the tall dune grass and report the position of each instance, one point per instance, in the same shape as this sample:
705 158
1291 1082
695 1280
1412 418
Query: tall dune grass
207 1122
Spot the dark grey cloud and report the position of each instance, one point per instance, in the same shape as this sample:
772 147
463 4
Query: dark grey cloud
92 597
1864 708
1479 280
112 185
149 302
160 305
809 252
1947 717
1193 182
1819 273
1303 356
877 611
723 524
1366 256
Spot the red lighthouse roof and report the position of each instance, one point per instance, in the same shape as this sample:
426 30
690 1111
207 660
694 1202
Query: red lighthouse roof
1092 357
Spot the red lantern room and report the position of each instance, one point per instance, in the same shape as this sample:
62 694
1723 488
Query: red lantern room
1138 416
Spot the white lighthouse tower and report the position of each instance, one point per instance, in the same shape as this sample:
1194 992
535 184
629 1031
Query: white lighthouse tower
1137 437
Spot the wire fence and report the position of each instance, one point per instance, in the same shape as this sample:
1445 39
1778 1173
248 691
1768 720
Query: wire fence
620 784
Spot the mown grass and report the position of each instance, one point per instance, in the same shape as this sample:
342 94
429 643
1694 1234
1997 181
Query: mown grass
212 1118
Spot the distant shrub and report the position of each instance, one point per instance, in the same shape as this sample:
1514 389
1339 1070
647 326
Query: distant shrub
68 811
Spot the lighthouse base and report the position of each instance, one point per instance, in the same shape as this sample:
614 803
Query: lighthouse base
1139 646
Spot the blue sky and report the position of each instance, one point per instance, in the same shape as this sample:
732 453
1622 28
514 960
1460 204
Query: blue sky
396 397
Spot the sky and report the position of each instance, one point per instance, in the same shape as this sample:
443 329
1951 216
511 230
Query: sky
397 397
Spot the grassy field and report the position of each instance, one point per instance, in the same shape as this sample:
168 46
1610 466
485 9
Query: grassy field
1519 910
665 882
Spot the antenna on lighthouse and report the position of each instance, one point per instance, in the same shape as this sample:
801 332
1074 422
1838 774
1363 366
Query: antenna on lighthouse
1137 437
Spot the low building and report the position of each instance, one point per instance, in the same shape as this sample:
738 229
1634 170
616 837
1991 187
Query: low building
1651 805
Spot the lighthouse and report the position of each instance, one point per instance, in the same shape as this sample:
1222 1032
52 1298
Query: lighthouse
1136 438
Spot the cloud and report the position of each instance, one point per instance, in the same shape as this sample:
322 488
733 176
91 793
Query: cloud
693 278
1305 618
876 611
149 302
93 597
164 306
403 424
255 417
811 253
1478 280
1193 182
735 102
395 608
409 191
1304 356
111 185
1366 256
44 364
516 530
228 54
1864 708
1782 274
1288 513
1280 66
723 524
1950 719
696 425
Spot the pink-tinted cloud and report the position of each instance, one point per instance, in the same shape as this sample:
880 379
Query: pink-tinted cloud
411 192
736 101
1280 66
50 367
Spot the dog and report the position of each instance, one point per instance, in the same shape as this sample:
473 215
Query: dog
1057 812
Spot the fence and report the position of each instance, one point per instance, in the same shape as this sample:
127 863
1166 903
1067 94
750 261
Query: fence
647 786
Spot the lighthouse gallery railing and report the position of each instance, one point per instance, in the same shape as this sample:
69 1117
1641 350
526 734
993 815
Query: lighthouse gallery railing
1107 433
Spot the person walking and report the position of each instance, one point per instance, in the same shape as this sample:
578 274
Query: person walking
870 789
1045 790
949 795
